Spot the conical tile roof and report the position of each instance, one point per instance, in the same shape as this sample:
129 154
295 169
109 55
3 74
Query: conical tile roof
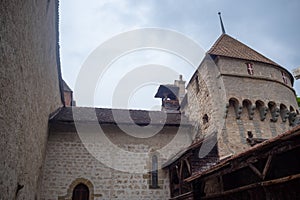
230 47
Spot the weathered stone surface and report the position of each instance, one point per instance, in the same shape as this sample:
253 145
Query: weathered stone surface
29 92
265 85
260 103
68 159
221 96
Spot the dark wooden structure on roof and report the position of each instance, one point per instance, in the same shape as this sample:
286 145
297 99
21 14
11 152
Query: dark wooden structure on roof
68 94
269 170
169 97
186 163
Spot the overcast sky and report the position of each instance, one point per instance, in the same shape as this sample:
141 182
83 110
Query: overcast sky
271 27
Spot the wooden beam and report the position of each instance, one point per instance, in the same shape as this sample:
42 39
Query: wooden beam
180 177
267 166
188 194
180 170
241 163
254 185
188 166
221 183
280 180
177 172
255 170
170 179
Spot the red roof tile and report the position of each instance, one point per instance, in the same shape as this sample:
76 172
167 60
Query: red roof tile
230 47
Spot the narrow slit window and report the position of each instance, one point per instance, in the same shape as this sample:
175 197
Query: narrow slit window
154 172
197 84
250 68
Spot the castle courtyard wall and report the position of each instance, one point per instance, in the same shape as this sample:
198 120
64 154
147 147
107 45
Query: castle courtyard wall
29 92
69 162
266 86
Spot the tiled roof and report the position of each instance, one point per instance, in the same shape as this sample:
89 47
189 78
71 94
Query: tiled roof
230 47
115 116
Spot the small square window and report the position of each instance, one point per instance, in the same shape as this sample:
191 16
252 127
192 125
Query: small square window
250 68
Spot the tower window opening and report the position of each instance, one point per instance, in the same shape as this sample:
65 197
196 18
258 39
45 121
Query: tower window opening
250 68
197 87
250 134
284 77
205 119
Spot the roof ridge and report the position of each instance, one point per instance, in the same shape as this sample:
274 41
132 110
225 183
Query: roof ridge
115 109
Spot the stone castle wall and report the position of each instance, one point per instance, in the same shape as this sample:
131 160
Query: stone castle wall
266 84
199 104
205 100
260 103
260 70
69 162
29 92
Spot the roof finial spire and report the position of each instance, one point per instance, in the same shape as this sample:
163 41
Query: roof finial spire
222 25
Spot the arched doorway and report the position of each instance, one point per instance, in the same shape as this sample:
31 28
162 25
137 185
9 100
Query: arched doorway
81 192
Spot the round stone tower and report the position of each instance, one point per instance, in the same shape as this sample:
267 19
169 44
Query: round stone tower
260 101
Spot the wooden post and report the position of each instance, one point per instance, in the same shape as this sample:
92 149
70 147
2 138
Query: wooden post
267 166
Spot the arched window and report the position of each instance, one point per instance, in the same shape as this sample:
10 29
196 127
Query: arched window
154 172
81 192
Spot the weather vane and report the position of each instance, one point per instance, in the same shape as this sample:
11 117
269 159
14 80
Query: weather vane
222 25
